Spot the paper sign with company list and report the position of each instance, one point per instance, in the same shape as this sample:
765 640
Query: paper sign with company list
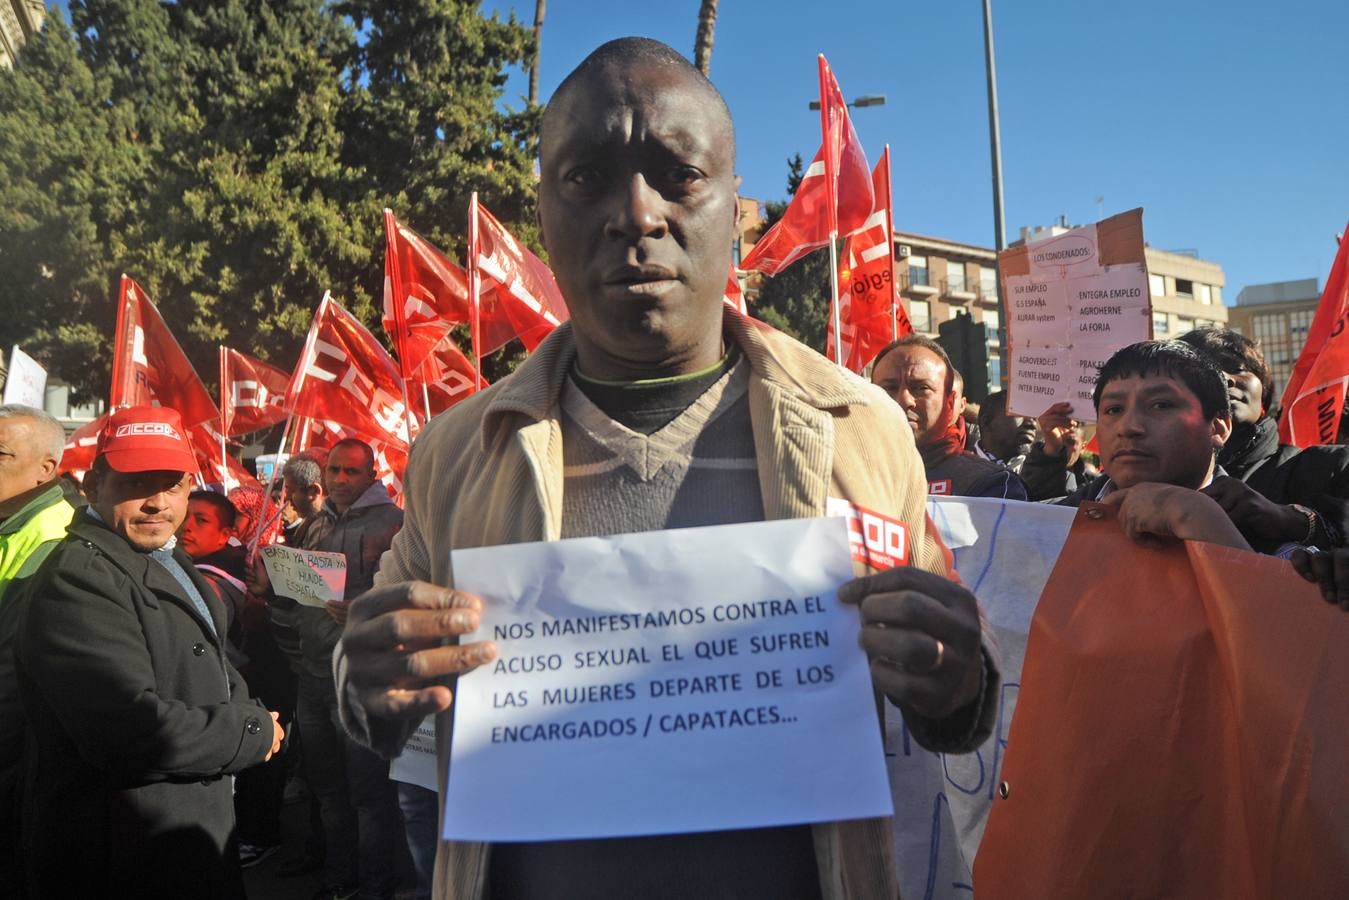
310 577
698 679
1073 300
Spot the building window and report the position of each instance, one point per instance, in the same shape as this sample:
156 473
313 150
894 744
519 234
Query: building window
995 371
920 314
1218 295
955 275
1184 325
918 271
1157 285
1205 295
990 318
1184 287
988 282
1160 325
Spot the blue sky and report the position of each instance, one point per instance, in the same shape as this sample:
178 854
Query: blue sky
1228 122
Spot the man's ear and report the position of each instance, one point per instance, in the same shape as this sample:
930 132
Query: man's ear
90 485
1222 430
49 467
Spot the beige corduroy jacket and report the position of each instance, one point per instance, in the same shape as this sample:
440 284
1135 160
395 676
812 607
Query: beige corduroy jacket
489 471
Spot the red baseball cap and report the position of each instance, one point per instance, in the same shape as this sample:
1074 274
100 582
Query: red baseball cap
146 439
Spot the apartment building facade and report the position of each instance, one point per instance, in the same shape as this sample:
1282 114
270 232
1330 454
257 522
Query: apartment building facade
1278 315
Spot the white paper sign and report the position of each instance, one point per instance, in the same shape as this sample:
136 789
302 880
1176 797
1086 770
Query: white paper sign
417 763
26 381
690 680
310 577
1067 316
1004 551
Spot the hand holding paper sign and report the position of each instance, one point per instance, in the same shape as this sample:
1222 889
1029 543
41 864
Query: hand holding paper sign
394 645
1055 423
921 633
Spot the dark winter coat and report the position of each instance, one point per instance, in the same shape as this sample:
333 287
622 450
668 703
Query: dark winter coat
1316 477
136 721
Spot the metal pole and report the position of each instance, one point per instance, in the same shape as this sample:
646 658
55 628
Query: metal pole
995 151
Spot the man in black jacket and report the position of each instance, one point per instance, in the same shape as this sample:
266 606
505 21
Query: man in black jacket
136 718
1276 493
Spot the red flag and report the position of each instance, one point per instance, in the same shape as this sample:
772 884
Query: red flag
734 296
835 193
446 376
1314 399
868 307
518 295
345 376
81 447
216 466
425 294
148 366
252 393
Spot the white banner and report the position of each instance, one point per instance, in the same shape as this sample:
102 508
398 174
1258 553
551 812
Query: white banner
1004 551
26 381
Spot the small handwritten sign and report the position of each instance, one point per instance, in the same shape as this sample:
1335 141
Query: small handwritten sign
310 577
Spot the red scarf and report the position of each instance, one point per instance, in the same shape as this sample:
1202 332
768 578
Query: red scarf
951 442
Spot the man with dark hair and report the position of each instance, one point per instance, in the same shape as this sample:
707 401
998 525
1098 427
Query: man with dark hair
137 719
917 374
1277 494
657 407
1003 437
359 804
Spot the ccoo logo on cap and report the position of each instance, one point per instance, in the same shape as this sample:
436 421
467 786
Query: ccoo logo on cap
146 439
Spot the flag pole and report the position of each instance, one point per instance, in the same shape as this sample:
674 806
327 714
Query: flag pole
831 193
115 392
224 423
292 394
890 245
474 286
392 273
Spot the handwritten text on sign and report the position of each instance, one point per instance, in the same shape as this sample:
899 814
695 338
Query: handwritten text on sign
310 577
688 680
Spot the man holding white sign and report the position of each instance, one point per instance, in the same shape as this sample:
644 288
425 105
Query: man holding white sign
655 408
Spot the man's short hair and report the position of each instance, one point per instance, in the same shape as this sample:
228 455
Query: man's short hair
637 50
48 434
356 442
994 405
1171 359
927 343
1232 352
224 509
303 471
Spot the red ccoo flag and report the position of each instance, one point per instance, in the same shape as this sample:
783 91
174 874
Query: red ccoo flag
425 294
446 376
1313 402
734 296
252 393
519 296
868 305
835 193
345 376
148 366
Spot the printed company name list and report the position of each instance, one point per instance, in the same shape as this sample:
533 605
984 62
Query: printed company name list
711 690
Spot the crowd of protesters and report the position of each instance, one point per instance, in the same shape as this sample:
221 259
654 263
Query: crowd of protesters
158 695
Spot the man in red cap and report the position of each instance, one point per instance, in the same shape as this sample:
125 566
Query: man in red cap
136 717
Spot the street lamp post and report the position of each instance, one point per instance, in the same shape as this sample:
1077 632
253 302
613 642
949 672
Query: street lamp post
864 100
995 151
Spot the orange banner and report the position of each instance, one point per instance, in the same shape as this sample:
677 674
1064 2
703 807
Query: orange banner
1181 730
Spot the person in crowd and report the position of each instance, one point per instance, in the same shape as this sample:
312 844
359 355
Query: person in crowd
136 718
1277 494
205 536
256 513
967 413
1055 466
917 374
1003 437
658 407
362 827
34 514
